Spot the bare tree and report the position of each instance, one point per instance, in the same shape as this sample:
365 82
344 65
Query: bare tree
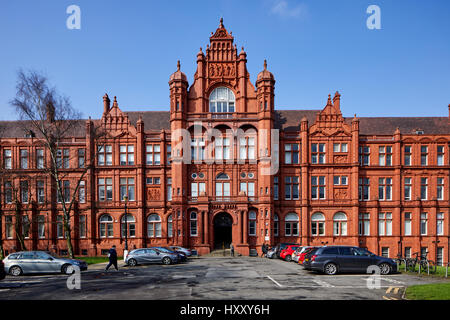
52 119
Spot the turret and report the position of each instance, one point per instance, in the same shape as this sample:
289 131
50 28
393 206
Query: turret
265 86
178 92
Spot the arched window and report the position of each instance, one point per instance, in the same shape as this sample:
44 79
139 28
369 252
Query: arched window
154 226
317 224
169 226
221 100
252 223
130 226
276 225
106 226
291 224
222 188
222 176
340 224
193 224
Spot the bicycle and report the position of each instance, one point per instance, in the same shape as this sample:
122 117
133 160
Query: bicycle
422 261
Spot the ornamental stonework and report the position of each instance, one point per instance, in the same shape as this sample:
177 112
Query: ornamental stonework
219 70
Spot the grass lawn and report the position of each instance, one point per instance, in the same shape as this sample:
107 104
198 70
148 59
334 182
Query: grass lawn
440 272
93 260
439 291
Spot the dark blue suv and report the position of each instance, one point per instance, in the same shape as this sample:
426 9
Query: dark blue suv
334 259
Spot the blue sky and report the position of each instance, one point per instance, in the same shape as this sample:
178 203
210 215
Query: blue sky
313 47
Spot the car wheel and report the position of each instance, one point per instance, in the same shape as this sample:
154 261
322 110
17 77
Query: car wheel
385 268
132 262
330 269
288 258
67 269
15 271
166 260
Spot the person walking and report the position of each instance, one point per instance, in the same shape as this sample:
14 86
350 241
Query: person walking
264 250
232 250
112 255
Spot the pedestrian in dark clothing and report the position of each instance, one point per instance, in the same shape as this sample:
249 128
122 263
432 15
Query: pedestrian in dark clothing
264 250
232 250
112 255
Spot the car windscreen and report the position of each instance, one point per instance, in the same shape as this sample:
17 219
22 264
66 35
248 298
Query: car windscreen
54 255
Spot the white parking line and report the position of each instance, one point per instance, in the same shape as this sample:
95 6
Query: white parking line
275 281
323 283
388 280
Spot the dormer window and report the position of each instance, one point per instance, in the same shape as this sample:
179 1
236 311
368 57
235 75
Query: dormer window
221 100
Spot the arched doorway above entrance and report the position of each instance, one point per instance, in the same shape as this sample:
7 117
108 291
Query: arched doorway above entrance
223 223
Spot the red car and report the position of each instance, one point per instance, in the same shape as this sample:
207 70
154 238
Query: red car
303 254
286 253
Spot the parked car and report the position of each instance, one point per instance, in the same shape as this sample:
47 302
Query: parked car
2 270
303 252
187 252
306 257
280 247
271 253
150 255
334 259
286 253
25 262
295 254
181 256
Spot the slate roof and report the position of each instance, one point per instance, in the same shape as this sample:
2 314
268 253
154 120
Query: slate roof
18 129
287 120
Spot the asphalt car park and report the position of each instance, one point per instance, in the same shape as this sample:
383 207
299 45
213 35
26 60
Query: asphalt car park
224 278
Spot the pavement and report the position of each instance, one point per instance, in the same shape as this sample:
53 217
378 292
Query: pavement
207 278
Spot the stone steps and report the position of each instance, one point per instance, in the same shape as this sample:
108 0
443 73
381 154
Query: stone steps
218 253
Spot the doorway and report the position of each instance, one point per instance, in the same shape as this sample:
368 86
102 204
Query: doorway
222 230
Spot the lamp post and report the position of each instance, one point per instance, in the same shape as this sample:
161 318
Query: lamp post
125 252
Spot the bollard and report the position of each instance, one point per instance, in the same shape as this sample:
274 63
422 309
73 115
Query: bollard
419 267
428 268
446 270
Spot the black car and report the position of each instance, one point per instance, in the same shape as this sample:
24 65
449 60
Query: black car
281 246
2 270
334 259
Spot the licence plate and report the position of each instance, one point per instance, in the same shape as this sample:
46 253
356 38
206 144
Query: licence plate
306 259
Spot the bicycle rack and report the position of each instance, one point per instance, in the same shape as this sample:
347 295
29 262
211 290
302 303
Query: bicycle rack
398 263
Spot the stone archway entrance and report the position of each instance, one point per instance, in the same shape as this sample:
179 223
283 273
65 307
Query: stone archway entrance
223 223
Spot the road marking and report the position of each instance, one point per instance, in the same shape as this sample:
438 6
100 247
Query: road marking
387 280
181 276
386 298
275 281
323 283
389 289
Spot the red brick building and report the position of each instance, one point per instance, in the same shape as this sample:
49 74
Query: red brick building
380 183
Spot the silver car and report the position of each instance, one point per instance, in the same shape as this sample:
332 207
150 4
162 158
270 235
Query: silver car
146 255
25 262
187 252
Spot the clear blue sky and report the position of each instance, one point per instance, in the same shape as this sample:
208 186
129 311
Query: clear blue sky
313 47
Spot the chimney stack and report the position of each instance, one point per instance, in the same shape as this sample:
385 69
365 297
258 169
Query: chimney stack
50 111
106 103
